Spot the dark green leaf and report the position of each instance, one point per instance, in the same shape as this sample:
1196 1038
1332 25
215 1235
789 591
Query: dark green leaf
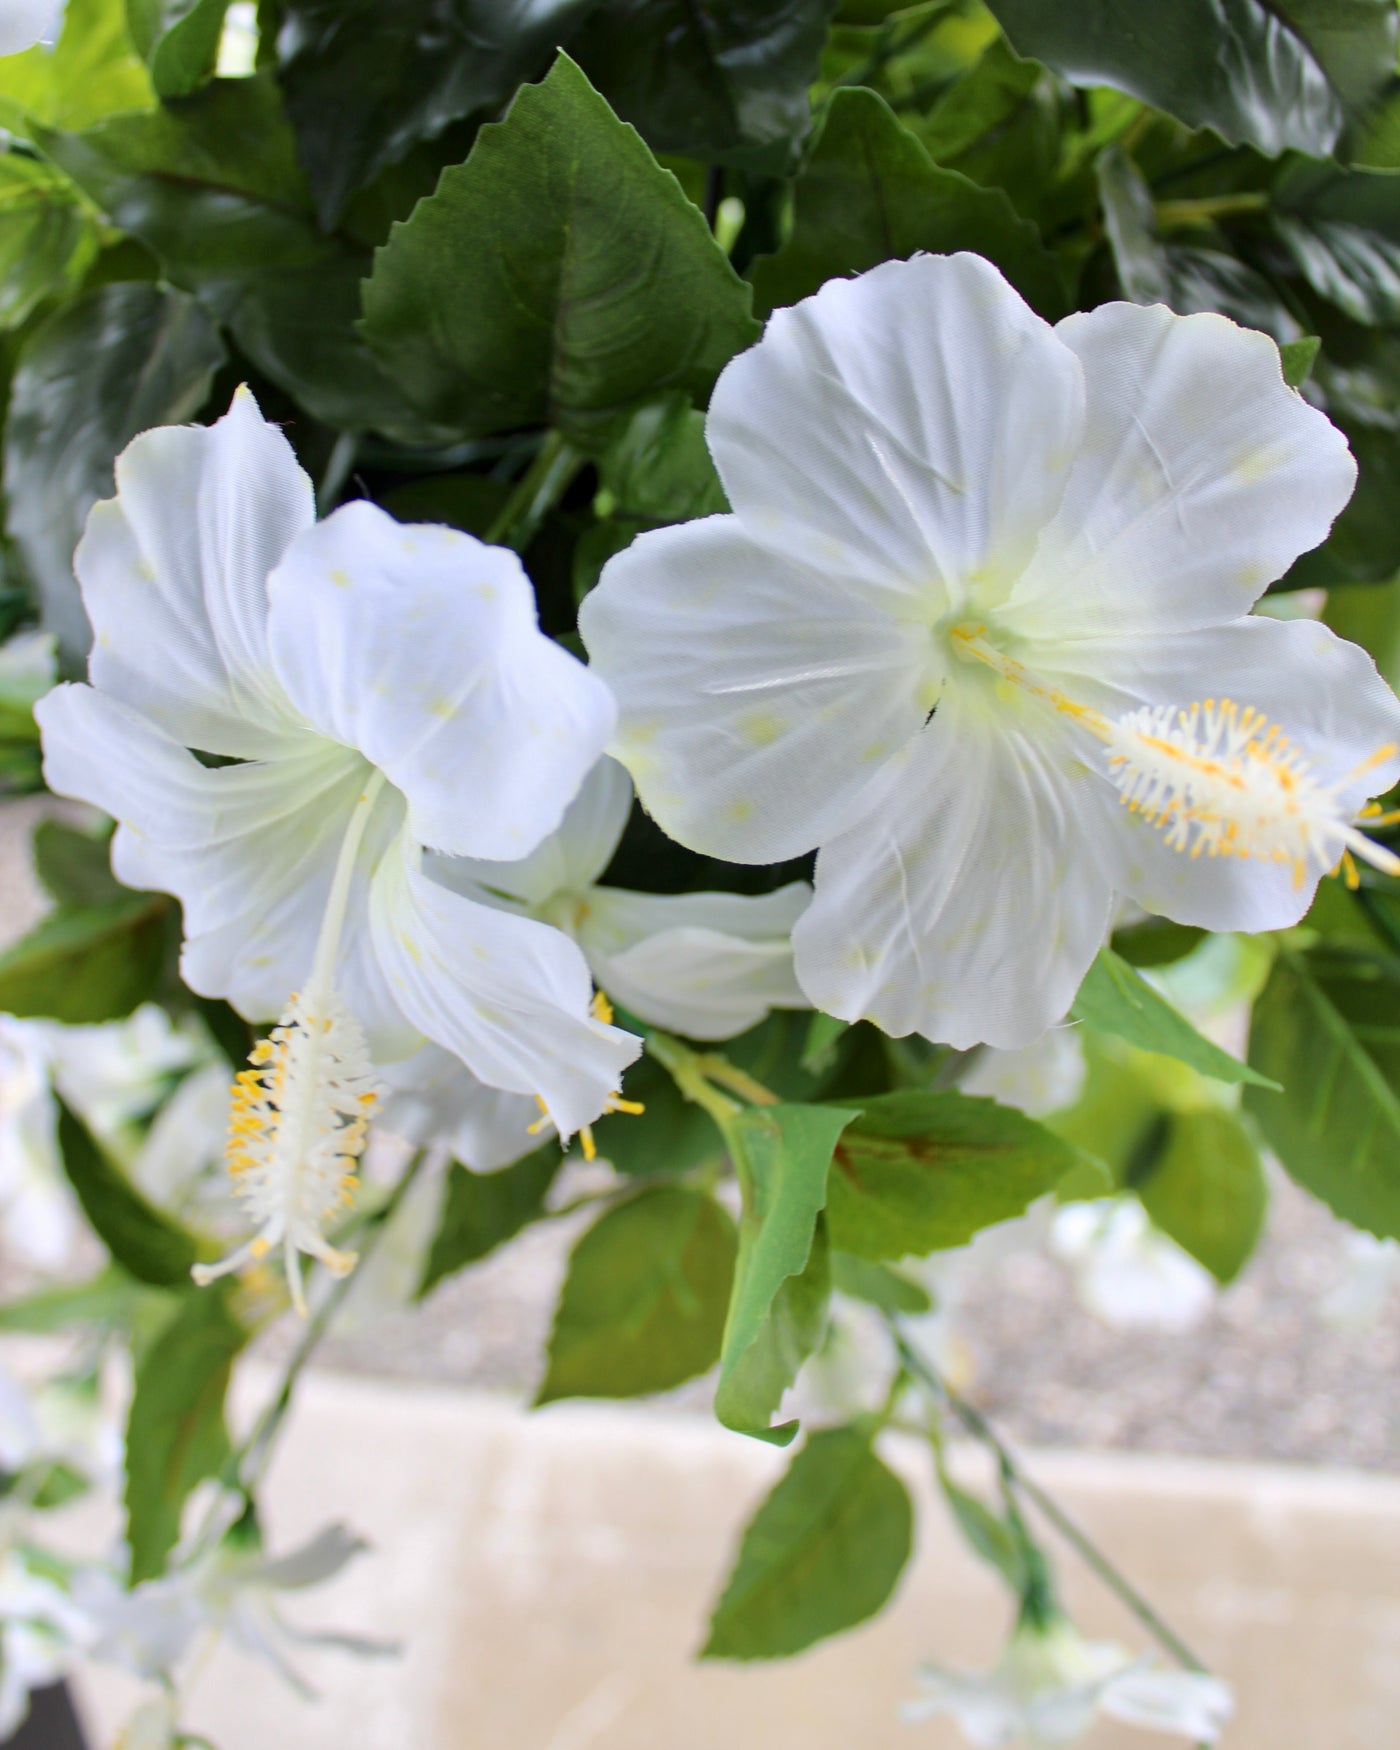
175 1433
1273 74
91 964
643 1304
116 362
1130 220
869 192
1001 124
1116 999
1156 942
178 40
1298 357
823 1552
74 865
1206 1188
558 276
864 1279
144 1242
658 470
919 1172
1328 1027
777 1311
484 1210
673 1134
1342 230
366 79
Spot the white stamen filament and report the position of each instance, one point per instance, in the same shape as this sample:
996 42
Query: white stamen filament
299 1114
1218 779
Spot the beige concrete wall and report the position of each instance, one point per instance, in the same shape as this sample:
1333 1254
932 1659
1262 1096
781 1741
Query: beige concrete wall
549 1574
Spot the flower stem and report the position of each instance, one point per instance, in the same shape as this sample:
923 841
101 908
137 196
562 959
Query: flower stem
716 1068
1209 208
536 493
684 1065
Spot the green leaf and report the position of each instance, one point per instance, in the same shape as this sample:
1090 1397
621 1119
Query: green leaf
114 363
47 240
484 1210
101 1300
672 1135
988 1535
556 277
90 964
1297 357
1115 999
1206 1188
1002 124
1156 942
823 1552
777 1312
91 71
147 1244
869 192
920 1172
642 1307
1273 74
824 1034
1326 1026
725 81
175 1434
864 1279
1342 231
1130 220
365 82
178 40
74 864
658 470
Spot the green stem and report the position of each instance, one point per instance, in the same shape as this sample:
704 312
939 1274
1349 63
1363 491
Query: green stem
536 493
716 1068
1208 209
1088 1551
684 1066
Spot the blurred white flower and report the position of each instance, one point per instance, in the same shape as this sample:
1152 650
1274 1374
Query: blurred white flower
116 1074
37 1636
1372 1269
1038 1079
26 22
1126 1271
1050 1683
29 660
39 1217
238 42
152 1727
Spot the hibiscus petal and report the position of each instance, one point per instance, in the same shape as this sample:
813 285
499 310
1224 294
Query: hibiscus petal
432 1096
708 965
917 423
962 904
1325 694
249 850
757 696
1200 479
419 646
174 576
508 996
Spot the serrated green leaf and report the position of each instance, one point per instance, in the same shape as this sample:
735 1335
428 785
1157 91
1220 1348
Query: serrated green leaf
91 964
1327 1028
1115 999
175 1434
1278 75
111 364
869 192
823 1552
178 40
920 1172
777 1310
1206 1188
556 277
483 1210
643 1304
147 1244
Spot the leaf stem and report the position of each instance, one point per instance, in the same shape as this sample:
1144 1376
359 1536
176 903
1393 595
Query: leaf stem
536 493
1209 208
717 1068
684 1066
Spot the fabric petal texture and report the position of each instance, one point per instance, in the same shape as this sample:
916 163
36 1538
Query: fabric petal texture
420 646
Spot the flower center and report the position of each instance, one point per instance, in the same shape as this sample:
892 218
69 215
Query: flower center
1220 780
299 1114
969 644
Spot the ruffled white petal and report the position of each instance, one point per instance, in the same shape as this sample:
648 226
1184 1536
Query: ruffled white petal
915 424
420 646
1325 693
757 696
26 22
1190 1703
708 965
433 1097
174 576
249 850
1200 479
969 900
508 996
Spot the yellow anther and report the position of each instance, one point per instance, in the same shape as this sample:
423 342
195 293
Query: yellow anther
601 1009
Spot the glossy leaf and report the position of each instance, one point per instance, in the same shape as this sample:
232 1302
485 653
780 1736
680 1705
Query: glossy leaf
147 1244
869 192
643 1304
1326 1028
1277 75
658 470
920 1172
1115 999
823 1552
111 364
178 40
778 1308
556 277
175 1434
484 1210
1206 1188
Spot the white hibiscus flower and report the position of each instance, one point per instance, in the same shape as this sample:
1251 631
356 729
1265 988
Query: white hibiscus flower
986 581
365 689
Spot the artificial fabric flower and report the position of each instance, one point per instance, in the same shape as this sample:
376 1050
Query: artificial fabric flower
1038 1079
26 22
978 628
366 689
1126 1271
37 1623
708 965
38 1217
1050 1682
